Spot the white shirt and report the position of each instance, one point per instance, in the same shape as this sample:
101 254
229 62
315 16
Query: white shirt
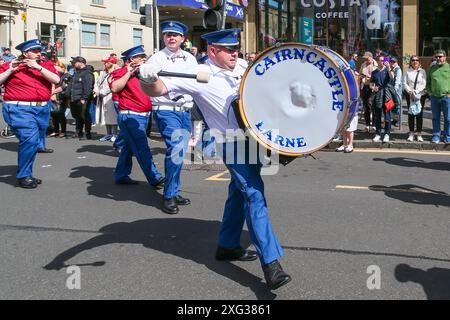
215 97
410 77
184 62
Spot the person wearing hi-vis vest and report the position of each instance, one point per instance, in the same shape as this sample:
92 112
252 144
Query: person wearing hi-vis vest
28 83
173 114
134 111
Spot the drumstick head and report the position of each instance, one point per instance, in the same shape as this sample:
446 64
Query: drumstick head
203 77
302 95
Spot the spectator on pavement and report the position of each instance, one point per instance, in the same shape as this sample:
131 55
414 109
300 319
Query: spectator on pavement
7 56
353 60
414 83
438 86
366 93
395 73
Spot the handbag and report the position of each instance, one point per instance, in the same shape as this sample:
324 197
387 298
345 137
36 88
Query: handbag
415 107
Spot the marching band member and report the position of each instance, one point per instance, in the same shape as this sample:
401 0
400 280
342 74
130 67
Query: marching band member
134 110
246 200
173 114
28 84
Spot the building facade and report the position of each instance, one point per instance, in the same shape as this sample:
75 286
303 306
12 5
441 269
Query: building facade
399 27
90 28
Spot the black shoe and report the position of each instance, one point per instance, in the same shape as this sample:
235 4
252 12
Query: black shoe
127 180
45 150
233 254
88 136
28 183
38 181
182 201
274 275
170 206
159 184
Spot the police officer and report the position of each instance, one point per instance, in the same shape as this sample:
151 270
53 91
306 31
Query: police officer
173 114
134 110
246 200
28 83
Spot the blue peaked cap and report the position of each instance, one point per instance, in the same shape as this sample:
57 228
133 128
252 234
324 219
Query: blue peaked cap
135 51
226 37
29 44
173 26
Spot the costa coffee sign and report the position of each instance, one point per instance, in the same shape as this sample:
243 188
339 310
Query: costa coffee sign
332 3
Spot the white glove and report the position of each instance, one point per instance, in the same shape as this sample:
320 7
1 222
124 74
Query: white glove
149 72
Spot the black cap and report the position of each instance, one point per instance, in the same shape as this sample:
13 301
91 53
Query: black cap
78 59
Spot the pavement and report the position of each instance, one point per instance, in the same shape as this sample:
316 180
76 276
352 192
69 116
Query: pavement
398 136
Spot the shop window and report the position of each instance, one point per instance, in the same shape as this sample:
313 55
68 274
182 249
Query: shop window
433 26
60 38
346 26
135 4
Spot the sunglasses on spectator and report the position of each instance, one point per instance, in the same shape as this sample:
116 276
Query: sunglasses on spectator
412 60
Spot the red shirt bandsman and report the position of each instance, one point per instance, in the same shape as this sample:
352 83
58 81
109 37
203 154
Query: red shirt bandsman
27 83
131 97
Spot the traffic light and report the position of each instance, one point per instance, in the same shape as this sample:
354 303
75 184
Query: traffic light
146 18
215 16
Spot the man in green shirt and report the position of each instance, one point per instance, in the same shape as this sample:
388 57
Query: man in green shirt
438 86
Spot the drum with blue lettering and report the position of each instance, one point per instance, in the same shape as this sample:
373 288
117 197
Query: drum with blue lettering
296 97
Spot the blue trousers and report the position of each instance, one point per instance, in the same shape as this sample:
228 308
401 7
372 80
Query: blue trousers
132 128
120 141
438 106
28 124
168 122
246 202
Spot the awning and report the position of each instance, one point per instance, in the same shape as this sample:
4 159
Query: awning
233 10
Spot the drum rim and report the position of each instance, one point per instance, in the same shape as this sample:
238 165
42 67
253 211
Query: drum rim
246 122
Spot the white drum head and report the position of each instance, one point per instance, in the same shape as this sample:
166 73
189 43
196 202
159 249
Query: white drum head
294 99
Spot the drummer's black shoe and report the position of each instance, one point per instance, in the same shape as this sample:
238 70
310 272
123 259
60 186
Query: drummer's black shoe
170 206
38 181
45 150
274 275
159 184
179 200
27 183
233 254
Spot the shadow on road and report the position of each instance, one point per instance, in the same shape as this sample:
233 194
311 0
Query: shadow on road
108 150
8 175
416 163
190 239
414 194
435 281
10 145
102 185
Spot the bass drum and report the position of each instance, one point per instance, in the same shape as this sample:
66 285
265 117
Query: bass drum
296 97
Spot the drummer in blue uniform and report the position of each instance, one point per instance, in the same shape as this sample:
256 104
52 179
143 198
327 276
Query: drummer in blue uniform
173 114
246 200
134 111
28 83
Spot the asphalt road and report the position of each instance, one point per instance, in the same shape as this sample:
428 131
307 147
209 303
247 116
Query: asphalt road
337 218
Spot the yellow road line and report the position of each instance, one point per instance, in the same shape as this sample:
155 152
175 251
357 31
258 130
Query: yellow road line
433 153
218 177
381 189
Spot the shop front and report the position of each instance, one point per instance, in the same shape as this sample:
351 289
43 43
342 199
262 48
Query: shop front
346 26
190 12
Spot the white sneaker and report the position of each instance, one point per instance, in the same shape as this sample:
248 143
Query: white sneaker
348 149
341 148
419 138
386 138
368 129
377 138
411 137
